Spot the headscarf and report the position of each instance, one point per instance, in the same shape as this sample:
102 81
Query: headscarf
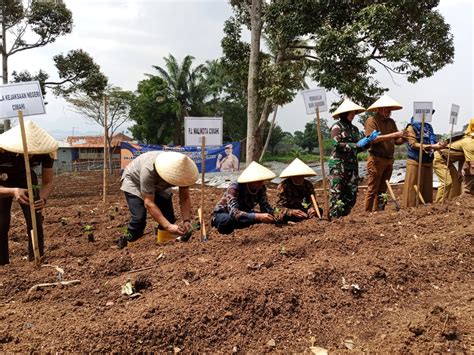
470 127
428 131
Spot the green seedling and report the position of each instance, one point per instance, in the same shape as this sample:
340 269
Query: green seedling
385 197
339 206
89 232
64 221
305 203
189 233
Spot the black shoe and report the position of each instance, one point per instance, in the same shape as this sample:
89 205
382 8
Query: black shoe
122 242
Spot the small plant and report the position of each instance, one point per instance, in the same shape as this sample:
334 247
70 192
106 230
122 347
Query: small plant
296 152
305 203
189 233
339 206
283 250
64 221
89 232
385 197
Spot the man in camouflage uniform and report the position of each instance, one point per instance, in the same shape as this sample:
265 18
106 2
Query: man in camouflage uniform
343 166
294 193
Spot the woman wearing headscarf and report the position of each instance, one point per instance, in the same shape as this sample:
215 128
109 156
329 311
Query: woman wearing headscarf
236 209
294 193
466 145
343 166
430 144
13 181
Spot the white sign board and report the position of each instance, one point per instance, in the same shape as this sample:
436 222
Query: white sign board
197 127
25 97
315 98
420 108
453 116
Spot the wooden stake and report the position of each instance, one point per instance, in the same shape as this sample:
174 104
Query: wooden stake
106 131
203 172
420 157
34 231
321 159
316 207
418 194
392 194
447 163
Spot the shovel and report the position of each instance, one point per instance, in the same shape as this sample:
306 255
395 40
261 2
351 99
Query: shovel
397 205
316 207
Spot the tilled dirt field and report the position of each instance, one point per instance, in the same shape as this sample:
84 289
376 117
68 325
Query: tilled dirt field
384 282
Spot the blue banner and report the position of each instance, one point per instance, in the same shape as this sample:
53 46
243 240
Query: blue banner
224 158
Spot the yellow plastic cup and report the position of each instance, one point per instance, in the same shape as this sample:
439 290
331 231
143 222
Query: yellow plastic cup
164 237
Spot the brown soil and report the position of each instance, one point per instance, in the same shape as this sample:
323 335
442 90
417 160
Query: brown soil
407 276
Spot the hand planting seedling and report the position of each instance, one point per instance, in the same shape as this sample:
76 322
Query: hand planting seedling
189 233
89 232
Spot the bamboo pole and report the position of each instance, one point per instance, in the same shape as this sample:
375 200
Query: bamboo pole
203 172
34 231
420 157
105 181
321 159
447 162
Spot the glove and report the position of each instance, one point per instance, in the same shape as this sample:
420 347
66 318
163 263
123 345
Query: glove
364 143
373 135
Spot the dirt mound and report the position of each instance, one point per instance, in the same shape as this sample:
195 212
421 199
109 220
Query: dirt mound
387 282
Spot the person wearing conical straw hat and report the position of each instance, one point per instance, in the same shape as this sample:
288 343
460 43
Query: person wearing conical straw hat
294 193
147 183
236 209
13 184
347 141
430 144
382 149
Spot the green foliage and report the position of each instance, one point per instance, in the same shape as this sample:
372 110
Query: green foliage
305 203
308 139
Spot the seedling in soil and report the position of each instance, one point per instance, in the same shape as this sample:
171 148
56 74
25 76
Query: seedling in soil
64 221
283 250
339 206
385 197
305 204
89 232
189 233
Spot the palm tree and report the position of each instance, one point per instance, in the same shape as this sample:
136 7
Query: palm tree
186 89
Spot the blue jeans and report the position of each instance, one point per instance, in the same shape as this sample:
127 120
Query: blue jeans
137 223
225 224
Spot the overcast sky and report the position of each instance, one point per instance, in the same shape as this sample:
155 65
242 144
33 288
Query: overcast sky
127 37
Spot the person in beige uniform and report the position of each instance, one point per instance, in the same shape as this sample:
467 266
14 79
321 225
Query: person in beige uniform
229 163
449 177
382 148
467 146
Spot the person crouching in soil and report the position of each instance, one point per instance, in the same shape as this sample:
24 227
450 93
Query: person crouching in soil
13 185
294 193
236 207
147 183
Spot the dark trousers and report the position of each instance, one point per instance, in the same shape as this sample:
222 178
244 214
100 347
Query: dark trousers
5 216
137 223
225 224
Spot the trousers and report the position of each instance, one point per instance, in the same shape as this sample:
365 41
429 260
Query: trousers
378 169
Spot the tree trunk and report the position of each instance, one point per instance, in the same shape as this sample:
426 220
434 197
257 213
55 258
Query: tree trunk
6 122
252 87
269 135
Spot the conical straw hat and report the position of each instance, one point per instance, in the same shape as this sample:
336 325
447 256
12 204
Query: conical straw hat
255 172
176 169
385 101
297 168
39 141
347 106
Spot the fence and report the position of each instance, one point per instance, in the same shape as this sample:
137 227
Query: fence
93 165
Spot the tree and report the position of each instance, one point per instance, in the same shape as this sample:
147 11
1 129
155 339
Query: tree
77 71
343 45
155 121
186 89
92 108
308 139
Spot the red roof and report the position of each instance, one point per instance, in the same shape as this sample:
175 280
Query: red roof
95 141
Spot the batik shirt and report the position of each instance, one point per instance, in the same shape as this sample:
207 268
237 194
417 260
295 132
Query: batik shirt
344 138
294 197
239 202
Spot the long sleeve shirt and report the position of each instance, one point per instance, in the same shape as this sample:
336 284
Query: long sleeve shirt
240 203
344 141
294 197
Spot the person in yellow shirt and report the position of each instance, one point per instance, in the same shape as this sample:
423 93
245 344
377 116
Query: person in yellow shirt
467 146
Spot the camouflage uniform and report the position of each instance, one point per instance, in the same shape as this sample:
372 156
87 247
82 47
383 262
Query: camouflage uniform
293 197
343 168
